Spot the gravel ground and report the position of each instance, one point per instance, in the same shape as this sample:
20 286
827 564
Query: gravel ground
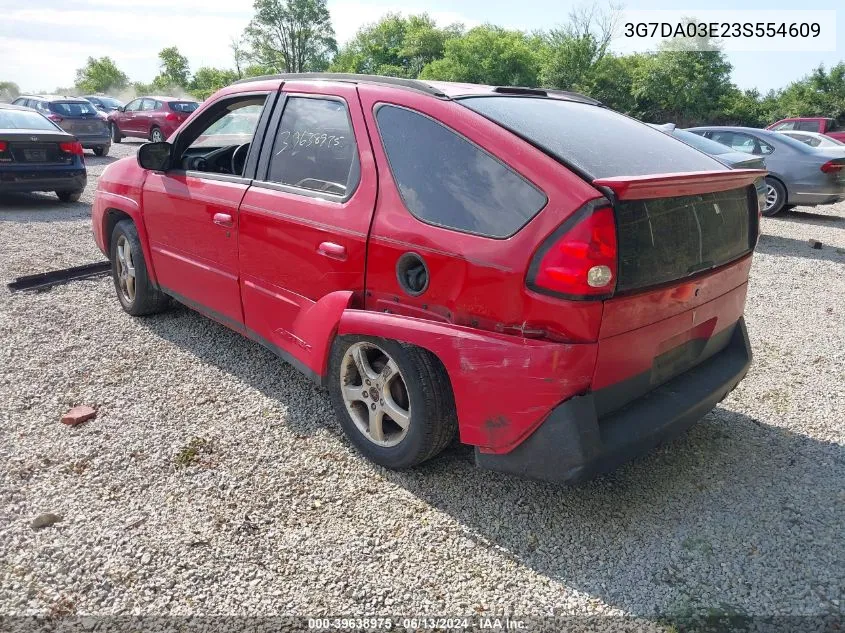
215 480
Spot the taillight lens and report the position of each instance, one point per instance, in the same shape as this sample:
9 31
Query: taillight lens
3 146
171 116
832 166
55 117
71 147
581 263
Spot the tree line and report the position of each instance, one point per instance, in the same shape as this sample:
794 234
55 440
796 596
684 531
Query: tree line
681 84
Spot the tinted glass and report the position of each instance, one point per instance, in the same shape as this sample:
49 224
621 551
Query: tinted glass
72 108
23 120
315 147
448 181
700 143
807 126
183 106
671 238
595 140
109 102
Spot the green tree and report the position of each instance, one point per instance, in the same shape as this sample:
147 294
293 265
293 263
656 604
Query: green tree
291 35
207 80
610 80
683 87
8 90
489 55
821 93
395 45
100 75
174 71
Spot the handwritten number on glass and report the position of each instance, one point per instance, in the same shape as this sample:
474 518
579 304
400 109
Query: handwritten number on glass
304 138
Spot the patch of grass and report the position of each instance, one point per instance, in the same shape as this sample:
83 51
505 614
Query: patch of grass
194 452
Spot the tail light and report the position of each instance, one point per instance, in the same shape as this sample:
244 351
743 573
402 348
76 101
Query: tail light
3 146
831 167
55 117
578 261
71 147
172 116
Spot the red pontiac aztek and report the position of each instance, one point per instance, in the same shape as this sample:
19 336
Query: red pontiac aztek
559 284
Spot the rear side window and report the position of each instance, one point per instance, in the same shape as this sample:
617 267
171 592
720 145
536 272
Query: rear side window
597 141
183 106
72 108
315 147
807 126
446 180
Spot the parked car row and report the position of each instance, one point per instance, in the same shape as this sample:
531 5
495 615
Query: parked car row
76 116
805 168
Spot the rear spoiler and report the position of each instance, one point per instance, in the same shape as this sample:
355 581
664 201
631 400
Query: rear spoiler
680 184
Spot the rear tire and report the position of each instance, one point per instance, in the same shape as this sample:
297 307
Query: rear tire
136 293
116 136
775 197
156 135
69 196
405 379
101 150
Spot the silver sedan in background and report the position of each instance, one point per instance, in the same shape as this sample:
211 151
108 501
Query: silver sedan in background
798 173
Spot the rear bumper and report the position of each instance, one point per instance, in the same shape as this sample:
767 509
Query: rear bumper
21 180
574 443
90 142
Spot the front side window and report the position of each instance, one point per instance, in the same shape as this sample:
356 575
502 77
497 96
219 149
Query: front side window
314 148
220 139
446 180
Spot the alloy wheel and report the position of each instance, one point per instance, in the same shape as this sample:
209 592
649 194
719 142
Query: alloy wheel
771 197
375 394
158 137
125 269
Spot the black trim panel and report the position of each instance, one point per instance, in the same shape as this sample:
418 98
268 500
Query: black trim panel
239 327
575 443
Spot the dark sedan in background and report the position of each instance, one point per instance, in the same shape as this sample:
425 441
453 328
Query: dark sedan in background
75 116
37 155
798 173
103 103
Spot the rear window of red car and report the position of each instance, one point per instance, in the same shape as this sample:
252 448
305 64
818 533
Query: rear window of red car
594 140
185 107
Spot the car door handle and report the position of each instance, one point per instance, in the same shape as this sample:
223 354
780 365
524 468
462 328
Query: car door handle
330 249
224 219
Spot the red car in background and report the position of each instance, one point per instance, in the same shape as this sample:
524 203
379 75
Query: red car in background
153 118
491 262
822 125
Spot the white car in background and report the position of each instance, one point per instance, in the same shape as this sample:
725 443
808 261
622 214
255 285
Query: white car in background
814 139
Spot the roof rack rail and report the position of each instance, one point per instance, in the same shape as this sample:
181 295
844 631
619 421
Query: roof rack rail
546 92
411 84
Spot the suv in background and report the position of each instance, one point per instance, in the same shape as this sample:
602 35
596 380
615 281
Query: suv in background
153 118
560 285
822 125
103 103
75 116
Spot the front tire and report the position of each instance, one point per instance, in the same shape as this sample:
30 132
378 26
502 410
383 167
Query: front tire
136 294
775 197
156 136
69 196
394 400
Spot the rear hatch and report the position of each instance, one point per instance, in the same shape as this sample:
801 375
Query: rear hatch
78 117
180 110
667 249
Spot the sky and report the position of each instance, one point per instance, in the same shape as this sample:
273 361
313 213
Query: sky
43 42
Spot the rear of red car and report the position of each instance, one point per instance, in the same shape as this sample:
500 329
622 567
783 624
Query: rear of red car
664 249
171 114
